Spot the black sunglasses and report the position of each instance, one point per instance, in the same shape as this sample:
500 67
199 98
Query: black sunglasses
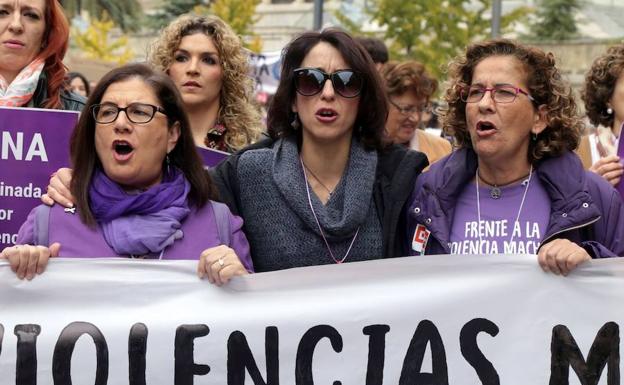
310 81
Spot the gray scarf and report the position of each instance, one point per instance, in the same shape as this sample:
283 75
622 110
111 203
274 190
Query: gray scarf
344 213
279 223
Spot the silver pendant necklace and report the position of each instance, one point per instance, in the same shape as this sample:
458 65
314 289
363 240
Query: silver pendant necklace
526 189
495 192
331 253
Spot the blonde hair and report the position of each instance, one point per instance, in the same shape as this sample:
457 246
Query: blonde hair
241 118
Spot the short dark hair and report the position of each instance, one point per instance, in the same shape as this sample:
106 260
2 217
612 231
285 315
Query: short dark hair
183 156
376 48
372 108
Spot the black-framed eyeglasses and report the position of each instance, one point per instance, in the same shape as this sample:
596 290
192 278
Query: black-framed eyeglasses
503 93
139 113
346 83
411 110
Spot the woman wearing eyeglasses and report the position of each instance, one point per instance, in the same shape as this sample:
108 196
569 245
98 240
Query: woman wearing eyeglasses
325 188
141 190
409 88
514 185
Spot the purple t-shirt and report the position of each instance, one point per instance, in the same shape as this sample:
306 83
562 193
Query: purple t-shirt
498 233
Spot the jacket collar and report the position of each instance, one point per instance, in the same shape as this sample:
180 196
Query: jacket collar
565 180
41 92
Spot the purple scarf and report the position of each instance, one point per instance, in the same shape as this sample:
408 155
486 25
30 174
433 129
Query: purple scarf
141 223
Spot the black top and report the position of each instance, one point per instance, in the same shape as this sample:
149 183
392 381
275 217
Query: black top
69 100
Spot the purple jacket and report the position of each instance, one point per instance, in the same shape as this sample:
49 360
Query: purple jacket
199 228
585 208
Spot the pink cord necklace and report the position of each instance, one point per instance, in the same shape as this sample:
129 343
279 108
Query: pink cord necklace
331 253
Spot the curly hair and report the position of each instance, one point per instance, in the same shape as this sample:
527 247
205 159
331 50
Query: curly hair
55 43
241 118
372 107
402 77
545 84
599 85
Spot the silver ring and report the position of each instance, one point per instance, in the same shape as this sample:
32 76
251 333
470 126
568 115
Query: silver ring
221 264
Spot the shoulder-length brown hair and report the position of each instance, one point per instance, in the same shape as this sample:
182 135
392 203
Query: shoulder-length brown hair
55 42
183 156
545 84
600 84
372 108
238 113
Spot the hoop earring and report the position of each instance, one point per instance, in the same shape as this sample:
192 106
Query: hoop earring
295 124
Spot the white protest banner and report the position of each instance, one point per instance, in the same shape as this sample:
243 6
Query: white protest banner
422 320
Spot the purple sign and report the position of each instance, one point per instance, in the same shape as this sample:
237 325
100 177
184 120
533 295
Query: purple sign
211 157
33 144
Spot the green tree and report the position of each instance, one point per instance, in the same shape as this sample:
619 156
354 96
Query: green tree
95 42
171 10
555 20
240 15
123 13
433 31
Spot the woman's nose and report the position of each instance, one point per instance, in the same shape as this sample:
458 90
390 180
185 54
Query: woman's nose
192 67
122 123
487 102
15 23
328 91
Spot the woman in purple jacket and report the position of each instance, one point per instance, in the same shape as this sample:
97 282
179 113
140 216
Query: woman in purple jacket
514 185
140 188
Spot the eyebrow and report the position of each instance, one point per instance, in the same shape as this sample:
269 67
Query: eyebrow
210 53
495 85
22 7
326 71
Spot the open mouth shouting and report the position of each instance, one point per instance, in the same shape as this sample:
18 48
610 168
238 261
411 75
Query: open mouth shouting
122 150
326 115
485 129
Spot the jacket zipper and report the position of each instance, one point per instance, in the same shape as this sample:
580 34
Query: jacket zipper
570 228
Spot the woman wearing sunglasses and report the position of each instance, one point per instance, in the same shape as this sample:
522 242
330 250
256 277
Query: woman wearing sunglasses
514 186
325 188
